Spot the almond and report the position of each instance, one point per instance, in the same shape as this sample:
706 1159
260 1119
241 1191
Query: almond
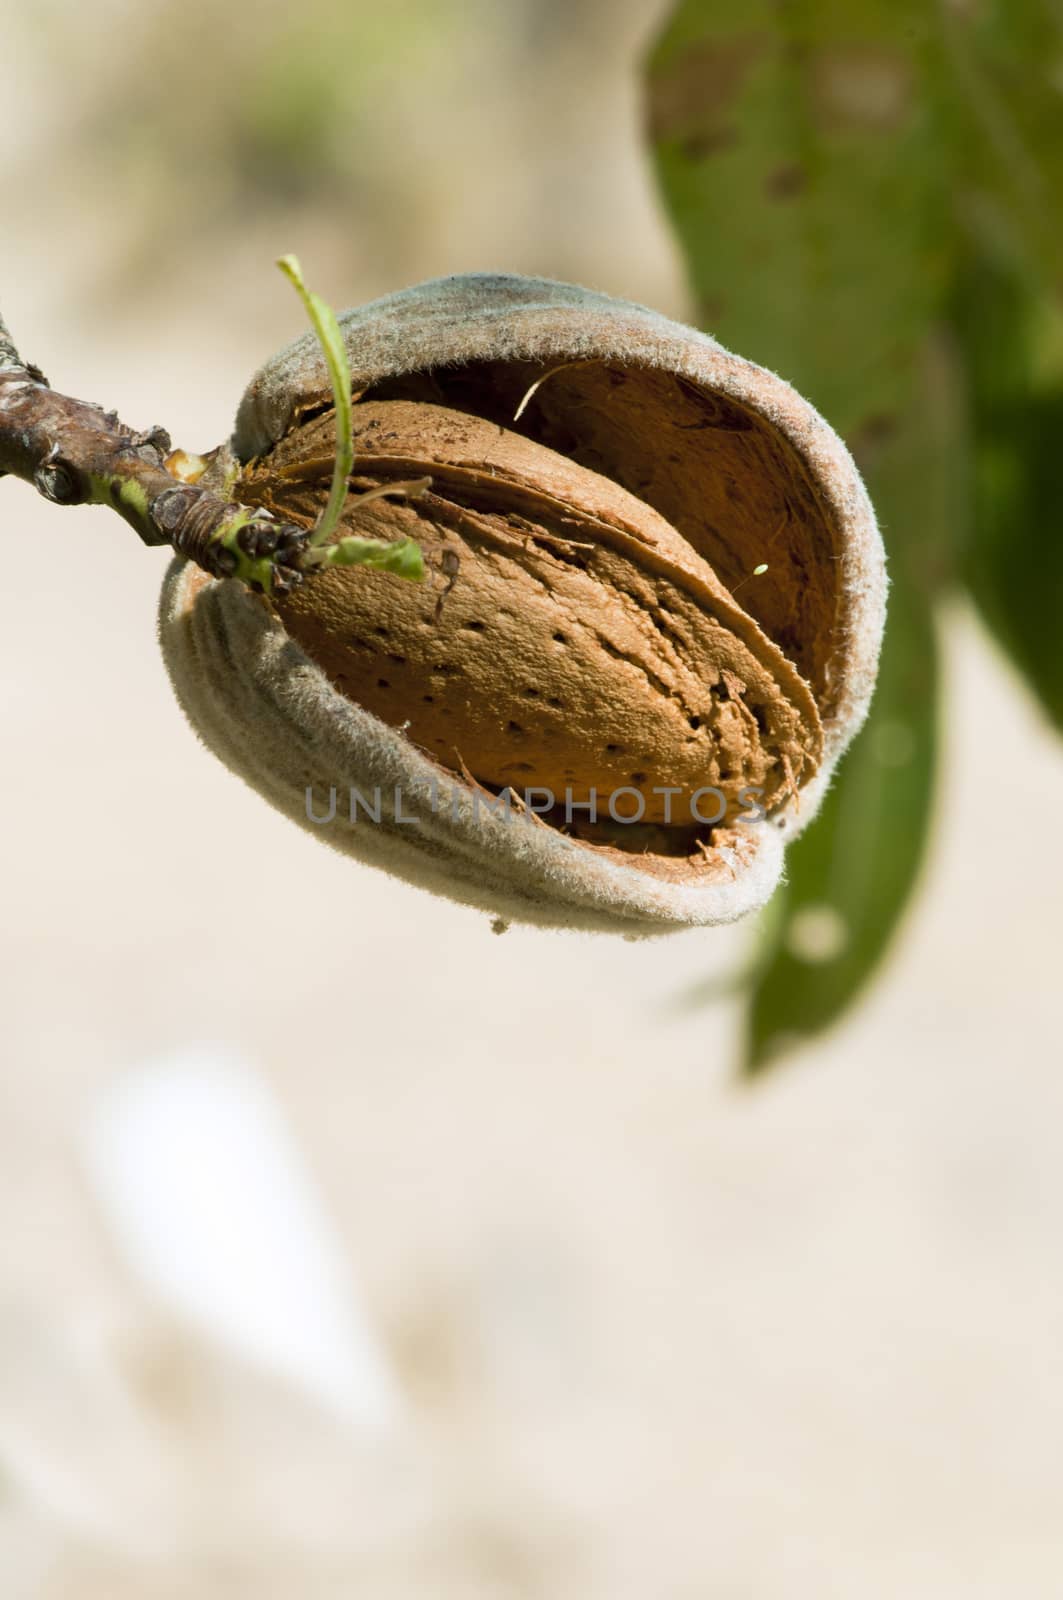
657 577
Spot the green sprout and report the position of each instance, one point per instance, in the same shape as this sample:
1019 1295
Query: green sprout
401 557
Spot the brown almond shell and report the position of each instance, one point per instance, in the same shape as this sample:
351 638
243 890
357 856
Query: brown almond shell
580 645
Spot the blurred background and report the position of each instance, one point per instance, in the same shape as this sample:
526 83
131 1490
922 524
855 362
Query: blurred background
349 1248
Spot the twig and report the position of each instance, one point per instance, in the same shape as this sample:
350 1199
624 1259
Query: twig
75 453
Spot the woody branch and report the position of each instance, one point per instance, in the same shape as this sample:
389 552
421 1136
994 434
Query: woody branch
76 453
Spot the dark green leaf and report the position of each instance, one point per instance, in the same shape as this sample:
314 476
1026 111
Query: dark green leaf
801 152
1013 346
851 875
812 156
1002 65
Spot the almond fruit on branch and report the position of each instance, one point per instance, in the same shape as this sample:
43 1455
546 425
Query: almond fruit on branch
652 626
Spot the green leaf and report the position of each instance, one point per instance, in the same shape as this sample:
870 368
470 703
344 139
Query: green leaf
851 875
401 557
1013 346
323 319
1015 565
1003 61
801 153
810 155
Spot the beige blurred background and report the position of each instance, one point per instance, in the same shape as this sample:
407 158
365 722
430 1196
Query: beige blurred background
347 1248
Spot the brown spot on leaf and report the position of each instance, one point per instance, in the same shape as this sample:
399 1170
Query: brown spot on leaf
786 182
708 142
873 434
710 311
691 97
